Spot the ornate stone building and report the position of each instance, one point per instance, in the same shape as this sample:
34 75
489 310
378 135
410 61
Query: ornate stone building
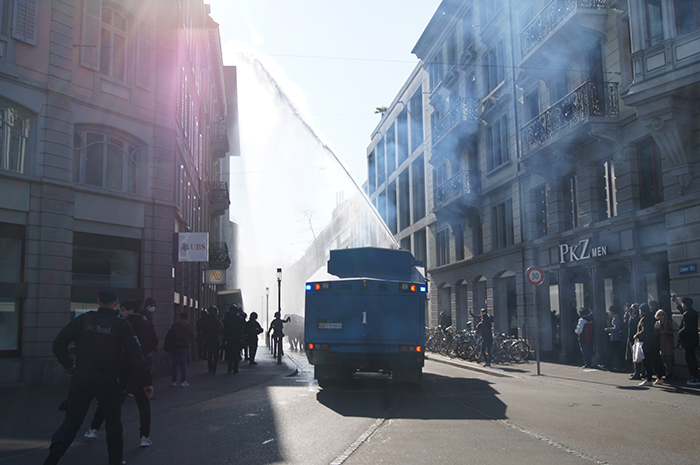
114 138
559 134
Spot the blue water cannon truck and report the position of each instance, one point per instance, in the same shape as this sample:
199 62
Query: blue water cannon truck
369 316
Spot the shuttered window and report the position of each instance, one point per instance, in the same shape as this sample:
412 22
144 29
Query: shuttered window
25 21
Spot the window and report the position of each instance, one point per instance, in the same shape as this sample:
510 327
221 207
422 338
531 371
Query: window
467 29
539 198
477 237
459 243
420 248
650 174
404 201
451 50
24 19
11 274
14 136
607 191
531 103
494 68
109 42
105 261
488 11
402 136
418 187
391 207
107 161
570 202
381 173
113 35
436 69
371 173
560 86
497 143
416 114
442 247
391 150
654 22
687 15
502 225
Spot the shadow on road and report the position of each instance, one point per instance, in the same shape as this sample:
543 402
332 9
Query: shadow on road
439 398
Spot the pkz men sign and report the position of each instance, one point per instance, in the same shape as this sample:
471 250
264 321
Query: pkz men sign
580 251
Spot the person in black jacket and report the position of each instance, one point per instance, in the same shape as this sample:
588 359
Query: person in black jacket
688 337
183 335
147 338
646 333
103 344
212 329
252 329
233 336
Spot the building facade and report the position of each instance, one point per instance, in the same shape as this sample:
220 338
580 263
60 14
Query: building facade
114 140
558 134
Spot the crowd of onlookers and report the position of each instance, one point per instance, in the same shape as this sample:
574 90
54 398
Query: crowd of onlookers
642 335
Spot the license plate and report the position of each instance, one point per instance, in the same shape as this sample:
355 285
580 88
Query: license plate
329 325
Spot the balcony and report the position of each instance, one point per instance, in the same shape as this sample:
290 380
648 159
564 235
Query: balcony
219 139
218 256
561 30
218 198
457 195
459 121
567 120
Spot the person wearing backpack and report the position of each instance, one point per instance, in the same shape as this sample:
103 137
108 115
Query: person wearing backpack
584 329
183 335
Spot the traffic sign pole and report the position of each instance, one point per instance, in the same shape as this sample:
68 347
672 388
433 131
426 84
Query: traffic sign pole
535 276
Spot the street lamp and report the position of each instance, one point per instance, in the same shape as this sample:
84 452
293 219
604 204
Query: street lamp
267 316
279 291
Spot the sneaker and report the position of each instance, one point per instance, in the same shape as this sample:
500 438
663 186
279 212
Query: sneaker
145 441
185 384
91 434
635 377
693 382
658 381
645 383
174 383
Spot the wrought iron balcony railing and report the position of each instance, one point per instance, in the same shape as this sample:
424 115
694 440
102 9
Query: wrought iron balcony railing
550 17
585 101
218 197
457 186
464 111
218 255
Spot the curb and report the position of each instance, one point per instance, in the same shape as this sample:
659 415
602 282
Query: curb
467 366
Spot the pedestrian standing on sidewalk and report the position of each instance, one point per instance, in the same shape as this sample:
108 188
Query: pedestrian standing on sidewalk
233 335
646 334
104 343
584 329
149 308
252 329
146 335
183 335
664 331
212 329
617 345
688 337
485 329
276 330
632 325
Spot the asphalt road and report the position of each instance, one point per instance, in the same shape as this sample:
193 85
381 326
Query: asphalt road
273 414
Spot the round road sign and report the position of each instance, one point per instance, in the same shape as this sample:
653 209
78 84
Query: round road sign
534 275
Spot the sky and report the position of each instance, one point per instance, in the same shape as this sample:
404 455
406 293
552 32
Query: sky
311 74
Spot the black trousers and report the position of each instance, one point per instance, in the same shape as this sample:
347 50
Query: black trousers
692 361
652 361
143 404
86 385
213 355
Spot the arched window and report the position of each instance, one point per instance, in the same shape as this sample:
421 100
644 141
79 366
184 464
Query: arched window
106 160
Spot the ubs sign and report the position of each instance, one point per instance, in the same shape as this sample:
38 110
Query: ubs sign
580 251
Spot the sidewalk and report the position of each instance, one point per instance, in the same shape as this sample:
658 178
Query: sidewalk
30 415
566 373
